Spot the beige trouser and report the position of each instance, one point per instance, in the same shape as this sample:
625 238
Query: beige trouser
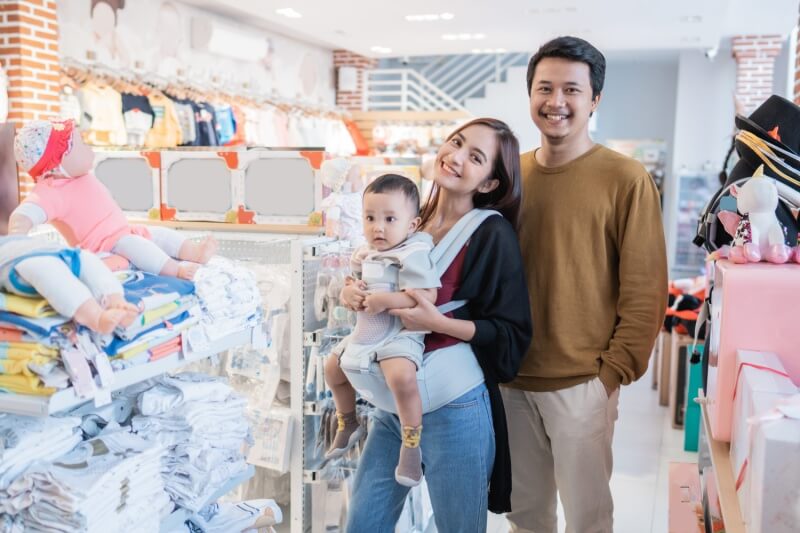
561 441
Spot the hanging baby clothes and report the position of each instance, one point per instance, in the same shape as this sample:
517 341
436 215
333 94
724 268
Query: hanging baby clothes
138 115
206 124
186 119
166 130
103 124
226 124
70 105
238 138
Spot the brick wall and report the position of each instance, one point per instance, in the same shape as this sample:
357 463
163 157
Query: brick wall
797 70
755 63
344 58
29 53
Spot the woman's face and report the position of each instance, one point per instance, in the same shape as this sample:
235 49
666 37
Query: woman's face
464 163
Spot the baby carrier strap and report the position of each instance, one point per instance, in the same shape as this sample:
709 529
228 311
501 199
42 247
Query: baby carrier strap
451 244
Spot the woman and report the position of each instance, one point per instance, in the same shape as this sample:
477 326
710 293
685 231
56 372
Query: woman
464 445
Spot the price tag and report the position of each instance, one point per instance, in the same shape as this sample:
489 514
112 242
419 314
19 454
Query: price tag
79 372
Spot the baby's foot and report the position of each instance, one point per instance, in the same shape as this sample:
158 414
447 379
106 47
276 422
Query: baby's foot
199 252
187 270
348 433
117 301
109 320
409 466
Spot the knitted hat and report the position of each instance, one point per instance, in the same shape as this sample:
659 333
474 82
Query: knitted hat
40 145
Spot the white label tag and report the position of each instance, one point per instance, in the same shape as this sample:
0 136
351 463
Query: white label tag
104 370
79 372
185 348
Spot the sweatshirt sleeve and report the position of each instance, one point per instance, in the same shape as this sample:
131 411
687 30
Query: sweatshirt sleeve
494 283
642 284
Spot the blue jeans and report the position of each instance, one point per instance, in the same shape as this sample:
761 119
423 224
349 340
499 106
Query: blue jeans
457 455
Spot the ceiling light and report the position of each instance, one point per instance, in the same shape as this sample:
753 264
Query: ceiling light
430 17
692 19
288 12
488 50
381 50
463 36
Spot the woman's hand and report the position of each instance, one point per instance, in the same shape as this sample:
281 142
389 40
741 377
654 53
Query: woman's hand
423 317
353 295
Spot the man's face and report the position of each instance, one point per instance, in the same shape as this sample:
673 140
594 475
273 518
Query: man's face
561 99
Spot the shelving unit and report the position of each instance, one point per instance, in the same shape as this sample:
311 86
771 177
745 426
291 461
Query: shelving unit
23 404
723 472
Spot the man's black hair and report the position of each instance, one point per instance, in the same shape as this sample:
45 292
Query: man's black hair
573 49
395 182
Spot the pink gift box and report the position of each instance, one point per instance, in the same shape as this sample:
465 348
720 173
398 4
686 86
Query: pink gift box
761 384
753 307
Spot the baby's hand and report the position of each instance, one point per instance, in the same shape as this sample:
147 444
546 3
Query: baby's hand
353 295
373 306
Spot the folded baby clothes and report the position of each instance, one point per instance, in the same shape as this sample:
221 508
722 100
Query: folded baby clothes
30 307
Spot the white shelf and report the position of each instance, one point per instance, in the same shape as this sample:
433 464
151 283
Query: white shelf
176 519
63 400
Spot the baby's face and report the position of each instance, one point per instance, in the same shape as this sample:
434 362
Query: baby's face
389 219
80 159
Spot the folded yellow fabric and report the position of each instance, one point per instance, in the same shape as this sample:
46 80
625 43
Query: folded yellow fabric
23 350
11 367
25 385
30 307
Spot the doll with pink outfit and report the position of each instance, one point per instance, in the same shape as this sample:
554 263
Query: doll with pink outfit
69 196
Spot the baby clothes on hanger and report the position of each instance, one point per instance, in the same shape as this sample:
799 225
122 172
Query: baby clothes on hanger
139 117
166 130
103 123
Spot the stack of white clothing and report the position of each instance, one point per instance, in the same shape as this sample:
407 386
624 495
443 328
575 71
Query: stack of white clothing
229 298
25 440
201 420
110 483
11 524
227 517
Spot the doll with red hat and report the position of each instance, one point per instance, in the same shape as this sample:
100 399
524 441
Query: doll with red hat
69 196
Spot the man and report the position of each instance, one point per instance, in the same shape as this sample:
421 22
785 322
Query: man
593 245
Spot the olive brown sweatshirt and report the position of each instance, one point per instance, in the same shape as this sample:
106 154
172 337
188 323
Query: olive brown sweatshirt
592 241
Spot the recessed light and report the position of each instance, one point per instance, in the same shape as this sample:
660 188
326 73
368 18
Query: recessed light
488 50
691 19
463 36
288 12
430 17
381 50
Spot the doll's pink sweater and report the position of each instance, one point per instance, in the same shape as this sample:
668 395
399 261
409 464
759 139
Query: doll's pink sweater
84 212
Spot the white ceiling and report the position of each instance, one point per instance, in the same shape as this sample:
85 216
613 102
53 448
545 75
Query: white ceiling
514 25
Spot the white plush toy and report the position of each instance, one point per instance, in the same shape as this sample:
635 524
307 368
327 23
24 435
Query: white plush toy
343 207
757 233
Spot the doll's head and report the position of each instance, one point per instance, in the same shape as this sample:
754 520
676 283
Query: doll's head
44 148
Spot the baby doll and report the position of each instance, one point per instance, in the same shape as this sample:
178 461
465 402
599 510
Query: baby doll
75 283
77 204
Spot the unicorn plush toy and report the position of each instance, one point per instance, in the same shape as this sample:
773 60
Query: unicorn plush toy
757 233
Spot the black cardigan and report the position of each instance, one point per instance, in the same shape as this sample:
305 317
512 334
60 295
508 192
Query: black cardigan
493 282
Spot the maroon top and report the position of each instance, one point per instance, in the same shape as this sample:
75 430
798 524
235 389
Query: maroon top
451 281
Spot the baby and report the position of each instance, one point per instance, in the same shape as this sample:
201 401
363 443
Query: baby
75 283
394 258
77 204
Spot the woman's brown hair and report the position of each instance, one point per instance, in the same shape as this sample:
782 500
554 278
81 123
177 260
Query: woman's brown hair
506 198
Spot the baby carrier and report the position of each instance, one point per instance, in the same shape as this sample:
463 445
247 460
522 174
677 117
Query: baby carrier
445 373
